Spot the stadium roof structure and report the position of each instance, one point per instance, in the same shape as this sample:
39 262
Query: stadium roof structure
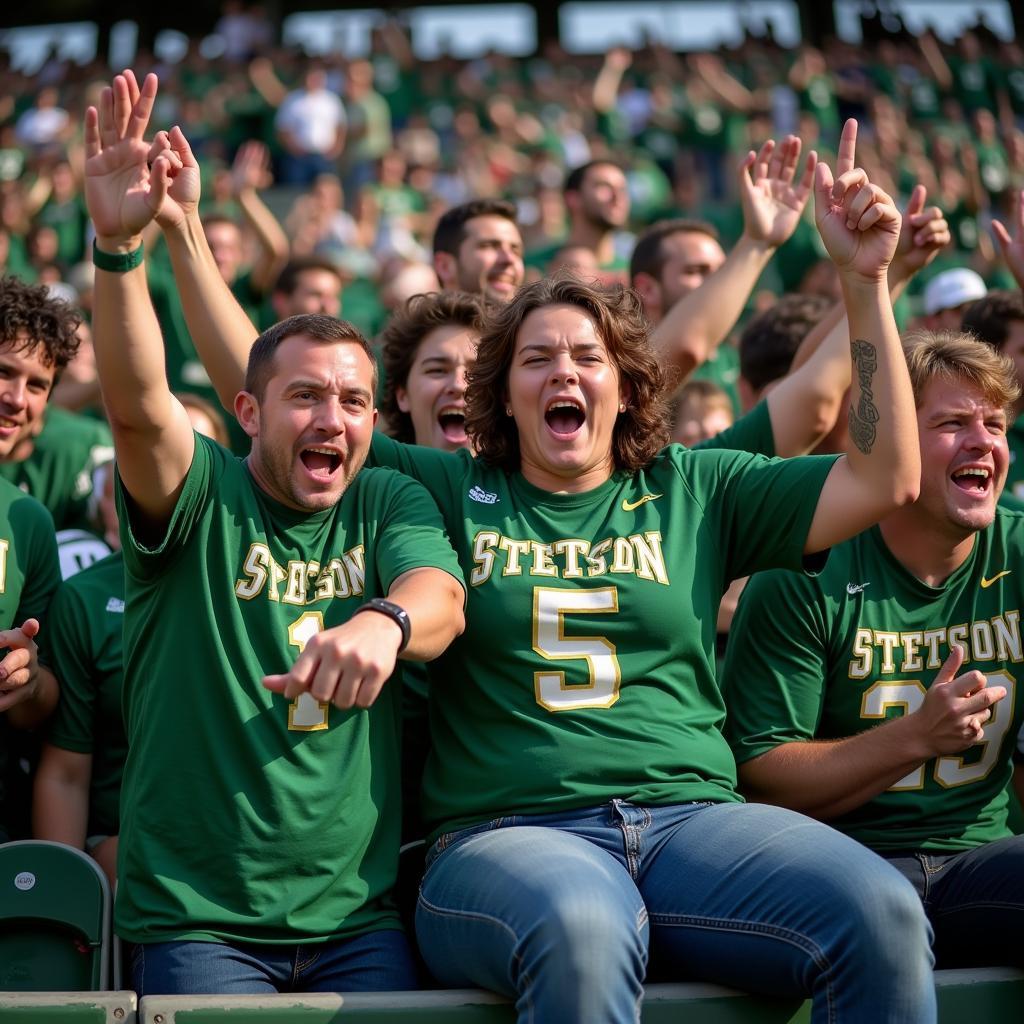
198 18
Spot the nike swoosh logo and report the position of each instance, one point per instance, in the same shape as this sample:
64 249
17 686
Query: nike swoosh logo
985 584
856 588
628 506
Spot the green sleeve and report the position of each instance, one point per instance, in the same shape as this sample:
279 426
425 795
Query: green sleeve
437 470
31 521
65 643
752 432
412 535
761 508
146 561
774 674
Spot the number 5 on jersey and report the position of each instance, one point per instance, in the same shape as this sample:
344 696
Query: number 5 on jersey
550 606
305 714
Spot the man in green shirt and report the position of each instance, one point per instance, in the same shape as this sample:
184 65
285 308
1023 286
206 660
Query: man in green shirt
881 696
259 812
998 320
478 249
37 339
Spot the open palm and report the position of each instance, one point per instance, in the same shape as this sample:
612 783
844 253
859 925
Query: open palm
772 201
122 192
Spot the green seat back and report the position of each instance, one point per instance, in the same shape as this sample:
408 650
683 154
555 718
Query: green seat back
54 919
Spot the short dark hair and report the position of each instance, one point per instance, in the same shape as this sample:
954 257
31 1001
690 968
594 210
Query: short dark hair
218 218
401 339
317 326
451 228
288 280
648 257
989 318
575 178
769 342
640 432
30 318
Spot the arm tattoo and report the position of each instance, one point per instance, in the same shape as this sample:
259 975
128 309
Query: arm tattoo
864 415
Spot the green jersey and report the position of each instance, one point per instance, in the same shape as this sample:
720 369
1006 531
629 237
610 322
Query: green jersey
59 471
247 817
29 575
586 671
83 641
1014 488
830 657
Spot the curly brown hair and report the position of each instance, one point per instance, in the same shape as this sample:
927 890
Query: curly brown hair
401 340
640 432
31 318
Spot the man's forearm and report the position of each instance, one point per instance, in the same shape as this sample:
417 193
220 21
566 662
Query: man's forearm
220 329
691 330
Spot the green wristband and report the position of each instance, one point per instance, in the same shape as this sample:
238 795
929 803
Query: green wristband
116 262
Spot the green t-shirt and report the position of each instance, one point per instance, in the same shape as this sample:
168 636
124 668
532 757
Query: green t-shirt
1014 488
29 575
246 817
586 671
830 657
84 643
59 471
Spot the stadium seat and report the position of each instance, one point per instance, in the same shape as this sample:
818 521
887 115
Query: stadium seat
989 996
68 1008
54 919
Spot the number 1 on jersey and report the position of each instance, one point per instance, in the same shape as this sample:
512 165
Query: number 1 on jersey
305 714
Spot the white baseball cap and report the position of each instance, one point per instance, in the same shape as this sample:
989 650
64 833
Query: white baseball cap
952 288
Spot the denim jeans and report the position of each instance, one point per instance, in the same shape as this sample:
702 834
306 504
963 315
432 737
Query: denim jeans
562 912
974 900
375 962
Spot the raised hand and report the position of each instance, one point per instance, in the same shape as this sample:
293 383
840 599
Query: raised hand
122 192
1012 247
183 189
251 169
772 202
923 236
857 221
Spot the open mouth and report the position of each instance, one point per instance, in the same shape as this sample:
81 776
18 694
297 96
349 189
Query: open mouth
452 421
322 463
565 417
973 480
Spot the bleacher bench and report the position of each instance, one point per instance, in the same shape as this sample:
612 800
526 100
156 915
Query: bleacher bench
68 1007
989 996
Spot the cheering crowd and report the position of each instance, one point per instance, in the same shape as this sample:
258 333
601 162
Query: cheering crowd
721 710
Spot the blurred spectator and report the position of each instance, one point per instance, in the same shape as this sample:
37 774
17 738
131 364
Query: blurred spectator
946 296
311 125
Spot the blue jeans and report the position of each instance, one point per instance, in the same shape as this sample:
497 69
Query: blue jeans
974 900
562 911
375 962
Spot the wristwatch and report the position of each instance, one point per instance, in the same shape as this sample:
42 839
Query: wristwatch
395 612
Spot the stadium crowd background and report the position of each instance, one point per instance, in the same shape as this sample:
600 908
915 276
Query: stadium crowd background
417 137
353 161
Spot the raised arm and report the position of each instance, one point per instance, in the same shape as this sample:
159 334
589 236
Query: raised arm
772 205
1012 246
219 327
250 171
152 434
805 405
860 227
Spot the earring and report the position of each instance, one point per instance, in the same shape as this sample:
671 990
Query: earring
622 406
508 410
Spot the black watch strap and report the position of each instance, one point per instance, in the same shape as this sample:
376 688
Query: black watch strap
393 611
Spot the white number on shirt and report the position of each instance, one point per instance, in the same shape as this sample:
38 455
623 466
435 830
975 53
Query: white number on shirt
550 606
950 769
305 713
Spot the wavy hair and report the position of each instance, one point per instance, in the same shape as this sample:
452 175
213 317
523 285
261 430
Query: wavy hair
640 432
